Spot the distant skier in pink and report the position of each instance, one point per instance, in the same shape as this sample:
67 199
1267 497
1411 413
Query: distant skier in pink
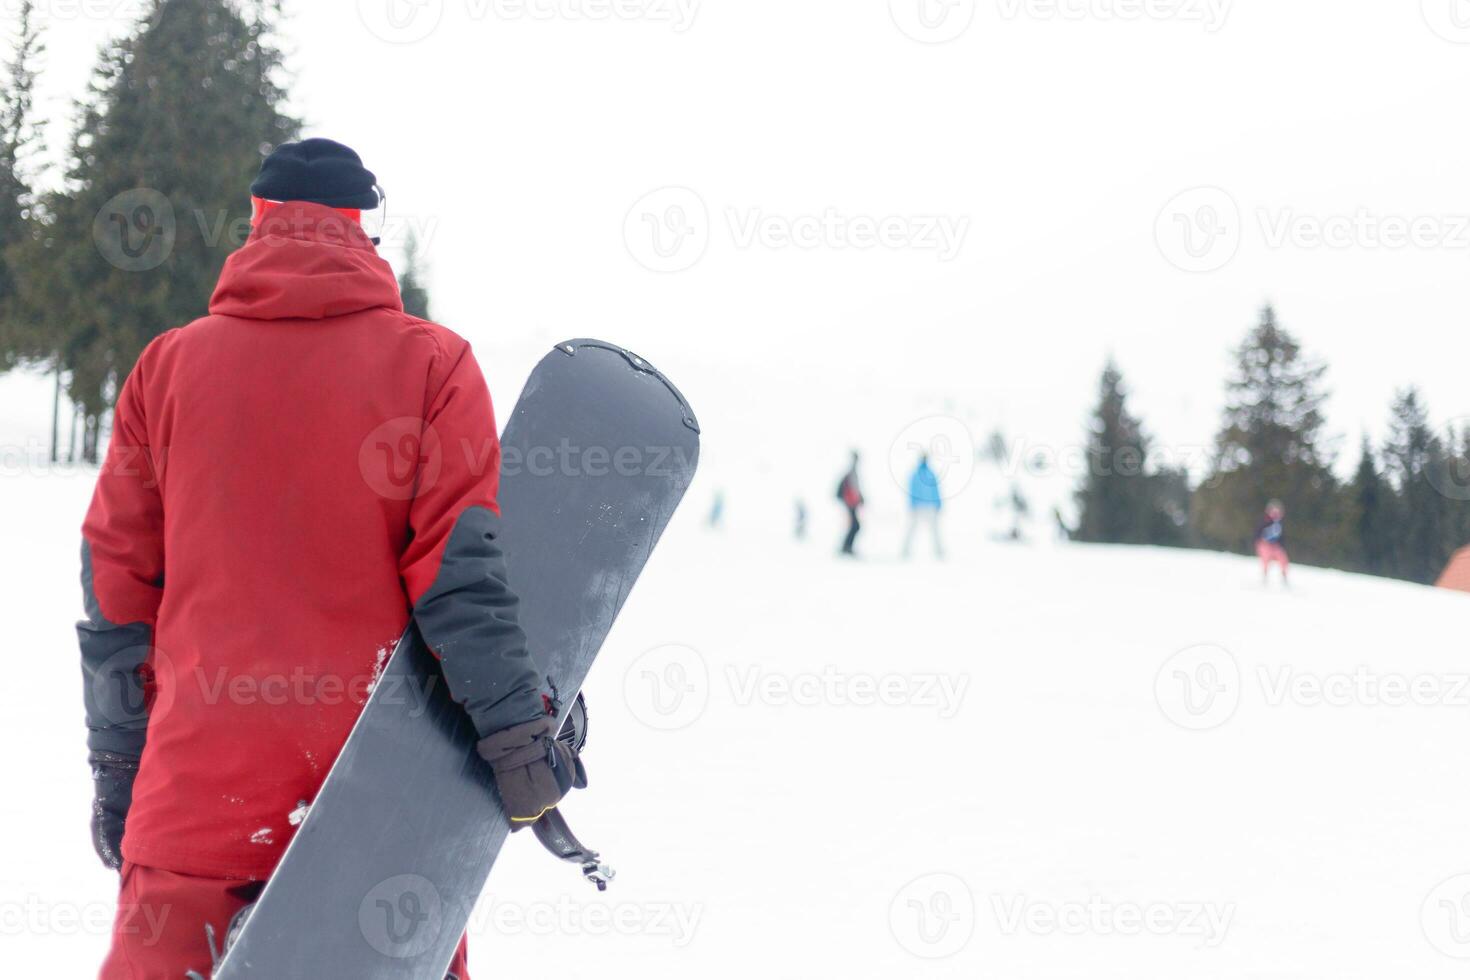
1271 541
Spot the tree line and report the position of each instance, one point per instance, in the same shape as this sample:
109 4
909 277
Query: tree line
1403 513
125 237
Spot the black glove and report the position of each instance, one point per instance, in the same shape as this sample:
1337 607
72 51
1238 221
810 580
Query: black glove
533 769
112 781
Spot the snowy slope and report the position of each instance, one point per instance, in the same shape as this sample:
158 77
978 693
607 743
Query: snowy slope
977 768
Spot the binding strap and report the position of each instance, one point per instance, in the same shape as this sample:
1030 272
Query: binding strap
554 834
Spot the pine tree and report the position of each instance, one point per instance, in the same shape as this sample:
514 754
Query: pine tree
1116 449
1417 463
1271 446
20 339
1456 489
170 136
1170 497
1274 403
1119 500
1373 509
410 284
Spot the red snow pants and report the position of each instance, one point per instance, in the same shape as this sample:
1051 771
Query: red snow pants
1270 554
159 932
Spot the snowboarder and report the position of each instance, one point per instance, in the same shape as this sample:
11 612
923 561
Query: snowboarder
850 493
226 669
924 506
1271 541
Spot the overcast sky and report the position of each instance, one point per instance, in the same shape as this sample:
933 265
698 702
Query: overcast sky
959 202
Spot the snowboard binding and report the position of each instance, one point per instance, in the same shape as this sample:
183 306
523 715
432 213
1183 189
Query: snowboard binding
574 729
218 950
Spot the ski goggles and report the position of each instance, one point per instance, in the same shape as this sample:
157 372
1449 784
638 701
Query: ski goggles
371 221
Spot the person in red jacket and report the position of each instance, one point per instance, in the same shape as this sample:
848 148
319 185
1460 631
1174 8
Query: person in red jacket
290 479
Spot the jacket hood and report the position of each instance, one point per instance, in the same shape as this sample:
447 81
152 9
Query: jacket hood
304 261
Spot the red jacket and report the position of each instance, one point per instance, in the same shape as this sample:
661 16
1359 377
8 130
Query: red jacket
289 479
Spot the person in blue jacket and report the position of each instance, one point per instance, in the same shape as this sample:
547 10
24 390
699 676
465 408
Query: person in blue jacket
925 503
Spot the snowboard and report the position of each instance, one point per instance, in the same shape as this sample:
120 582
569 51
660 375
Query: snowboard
382 874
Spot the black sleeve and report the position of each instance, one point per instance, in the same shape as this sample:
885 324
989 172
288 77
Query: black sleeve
113 692
468 617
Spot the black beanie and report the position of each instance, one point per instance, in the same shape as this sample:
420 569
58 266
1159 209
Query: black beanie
318 170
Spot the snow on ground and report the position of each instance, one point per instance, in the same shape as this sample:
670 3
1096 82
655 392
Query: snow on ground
1025 762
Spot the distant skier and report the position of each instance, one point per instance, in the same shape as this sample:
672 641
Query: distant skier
1271 541
924 506
716 518
288 482
800 519
850 493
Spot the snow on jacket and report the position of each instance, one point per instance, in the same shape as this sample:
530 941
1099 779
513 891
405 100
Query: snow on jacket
924 489
289 479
